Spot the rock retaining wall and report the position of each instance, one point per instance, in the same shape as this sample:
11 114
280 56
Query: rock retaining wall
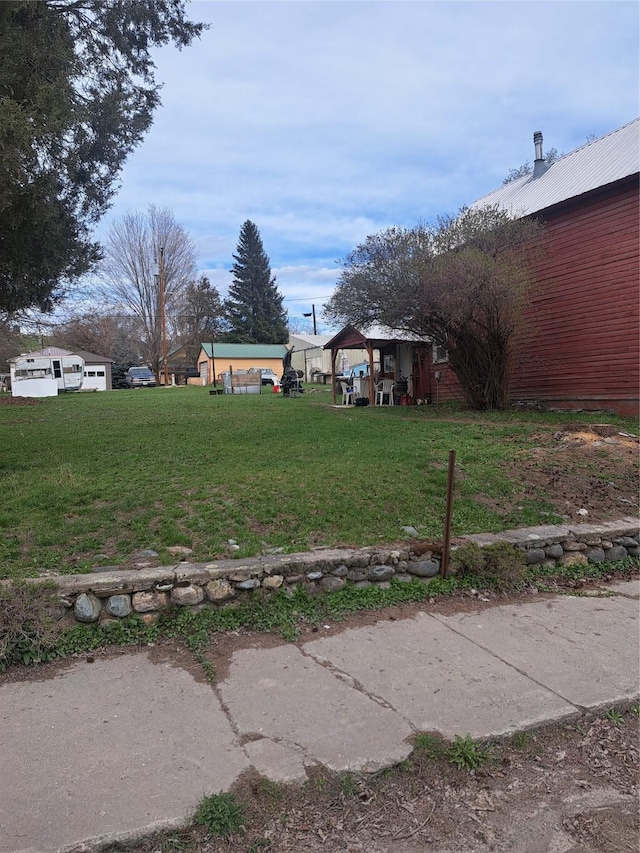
114 594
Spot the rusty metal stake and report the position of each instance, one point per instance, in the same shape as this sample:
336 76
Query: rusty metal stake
444 565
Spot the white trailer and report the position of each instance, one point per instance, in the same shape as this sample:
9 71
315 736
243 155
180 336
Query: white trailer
44 375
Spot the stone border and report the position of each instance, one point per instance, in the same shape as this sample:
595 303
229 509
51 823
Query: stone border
112 595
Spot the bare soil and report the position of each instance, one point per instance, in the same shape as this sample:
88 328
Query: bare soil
592 467
567 788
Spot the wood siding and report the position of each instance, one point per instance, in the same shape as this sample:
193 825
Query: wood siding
580 341
580 346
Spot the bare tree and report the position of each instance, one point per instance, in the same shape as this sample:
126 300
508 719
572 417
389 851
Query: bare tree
130 270
462 283
105 333
200 317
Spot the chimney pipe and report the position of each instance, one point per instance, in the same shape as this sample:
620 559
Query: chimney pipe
539 165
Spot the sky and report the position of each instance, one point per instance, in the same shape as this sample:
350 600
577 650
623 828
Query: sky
326 121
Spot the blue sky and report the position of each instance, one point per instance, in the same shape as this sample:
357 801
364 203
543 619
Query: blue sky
326 121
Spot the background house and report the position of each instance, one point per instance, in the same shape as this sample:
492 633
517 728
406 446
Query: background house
579 348
214 359
310 356
97 371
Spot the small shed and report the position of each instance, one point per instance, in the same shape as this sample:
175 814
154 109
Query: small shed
97 371
215 359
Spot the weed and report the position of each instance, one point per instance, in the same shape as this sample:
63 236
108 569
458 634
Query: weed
498 566
29 629
520 740
348 785
466 753
429 745
208 669
635 710
220 814
614 716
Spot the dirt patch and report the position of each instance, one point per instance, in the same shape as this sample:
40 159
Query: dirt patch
19 401
592 467
570 787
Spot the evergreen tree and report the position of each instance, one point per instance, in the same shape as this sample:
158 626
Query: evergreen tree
254 307
77 94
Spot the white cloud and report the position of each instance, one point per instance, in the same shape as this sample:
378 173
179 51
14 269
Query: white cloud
323 122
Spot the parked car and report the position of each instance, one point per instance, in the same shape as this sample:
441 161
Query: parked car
267 376
140 377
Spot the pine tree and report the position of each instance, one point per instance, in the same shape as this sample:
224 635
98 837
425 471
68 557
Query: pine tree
254 307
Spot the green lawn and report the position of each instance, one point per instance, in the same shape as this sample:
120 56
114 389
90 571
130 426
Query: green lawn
112 473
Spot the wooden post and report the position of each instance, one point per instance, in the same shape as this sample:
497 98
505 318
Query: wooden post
163 319
444 565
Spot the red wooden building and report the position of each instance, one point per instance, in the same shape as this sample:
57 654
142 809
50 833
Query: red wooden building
580 345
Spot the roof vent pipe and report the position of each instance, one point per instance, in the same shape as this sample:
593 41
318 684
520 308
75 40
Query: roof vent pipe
539 166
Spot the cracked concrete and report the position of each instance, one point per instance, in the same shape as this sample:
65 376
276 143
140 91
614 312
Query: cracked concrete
115 748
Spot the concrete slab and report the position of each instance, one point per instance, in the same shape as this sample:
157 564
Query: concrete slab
108 747
629 588
277 761
283 695
437 679
583 649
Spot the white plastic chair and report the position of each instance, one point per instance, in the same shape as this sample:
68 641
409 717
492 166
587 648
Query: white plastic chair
385 389
348 394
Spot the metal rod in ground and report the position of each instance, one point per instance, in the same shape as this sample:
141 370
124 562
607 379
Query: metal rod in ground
444 565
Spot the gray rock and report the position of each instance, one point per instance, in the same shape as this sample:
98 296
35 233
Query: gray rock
533 556
87 607
362 584
181 550
380 573
119 605
147 554
294 578
405 577
187 595
572 545
410 531
424 568
618 552
314 576
627 541
554 551
356 577
340 572
634 552
595 555
251 583
332 584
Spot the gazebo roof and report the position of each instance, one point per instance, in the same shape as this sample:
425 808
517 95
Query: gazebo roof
375 336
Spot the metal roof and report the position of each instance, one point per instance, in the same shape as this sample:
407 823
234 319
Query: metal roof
596 164
376 336
309 341
253 351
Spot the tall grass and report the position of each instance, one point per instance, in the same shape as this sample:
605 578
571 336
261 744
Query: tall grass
92 478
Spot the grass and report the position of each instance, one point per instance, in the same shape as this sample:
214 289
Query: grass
110 474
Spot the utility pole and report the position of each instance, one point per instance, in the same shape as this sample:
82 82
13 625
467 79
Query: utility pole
312 313
163 318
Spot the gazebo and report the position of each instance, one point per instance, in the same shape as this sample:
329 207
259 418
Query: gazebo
386 341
